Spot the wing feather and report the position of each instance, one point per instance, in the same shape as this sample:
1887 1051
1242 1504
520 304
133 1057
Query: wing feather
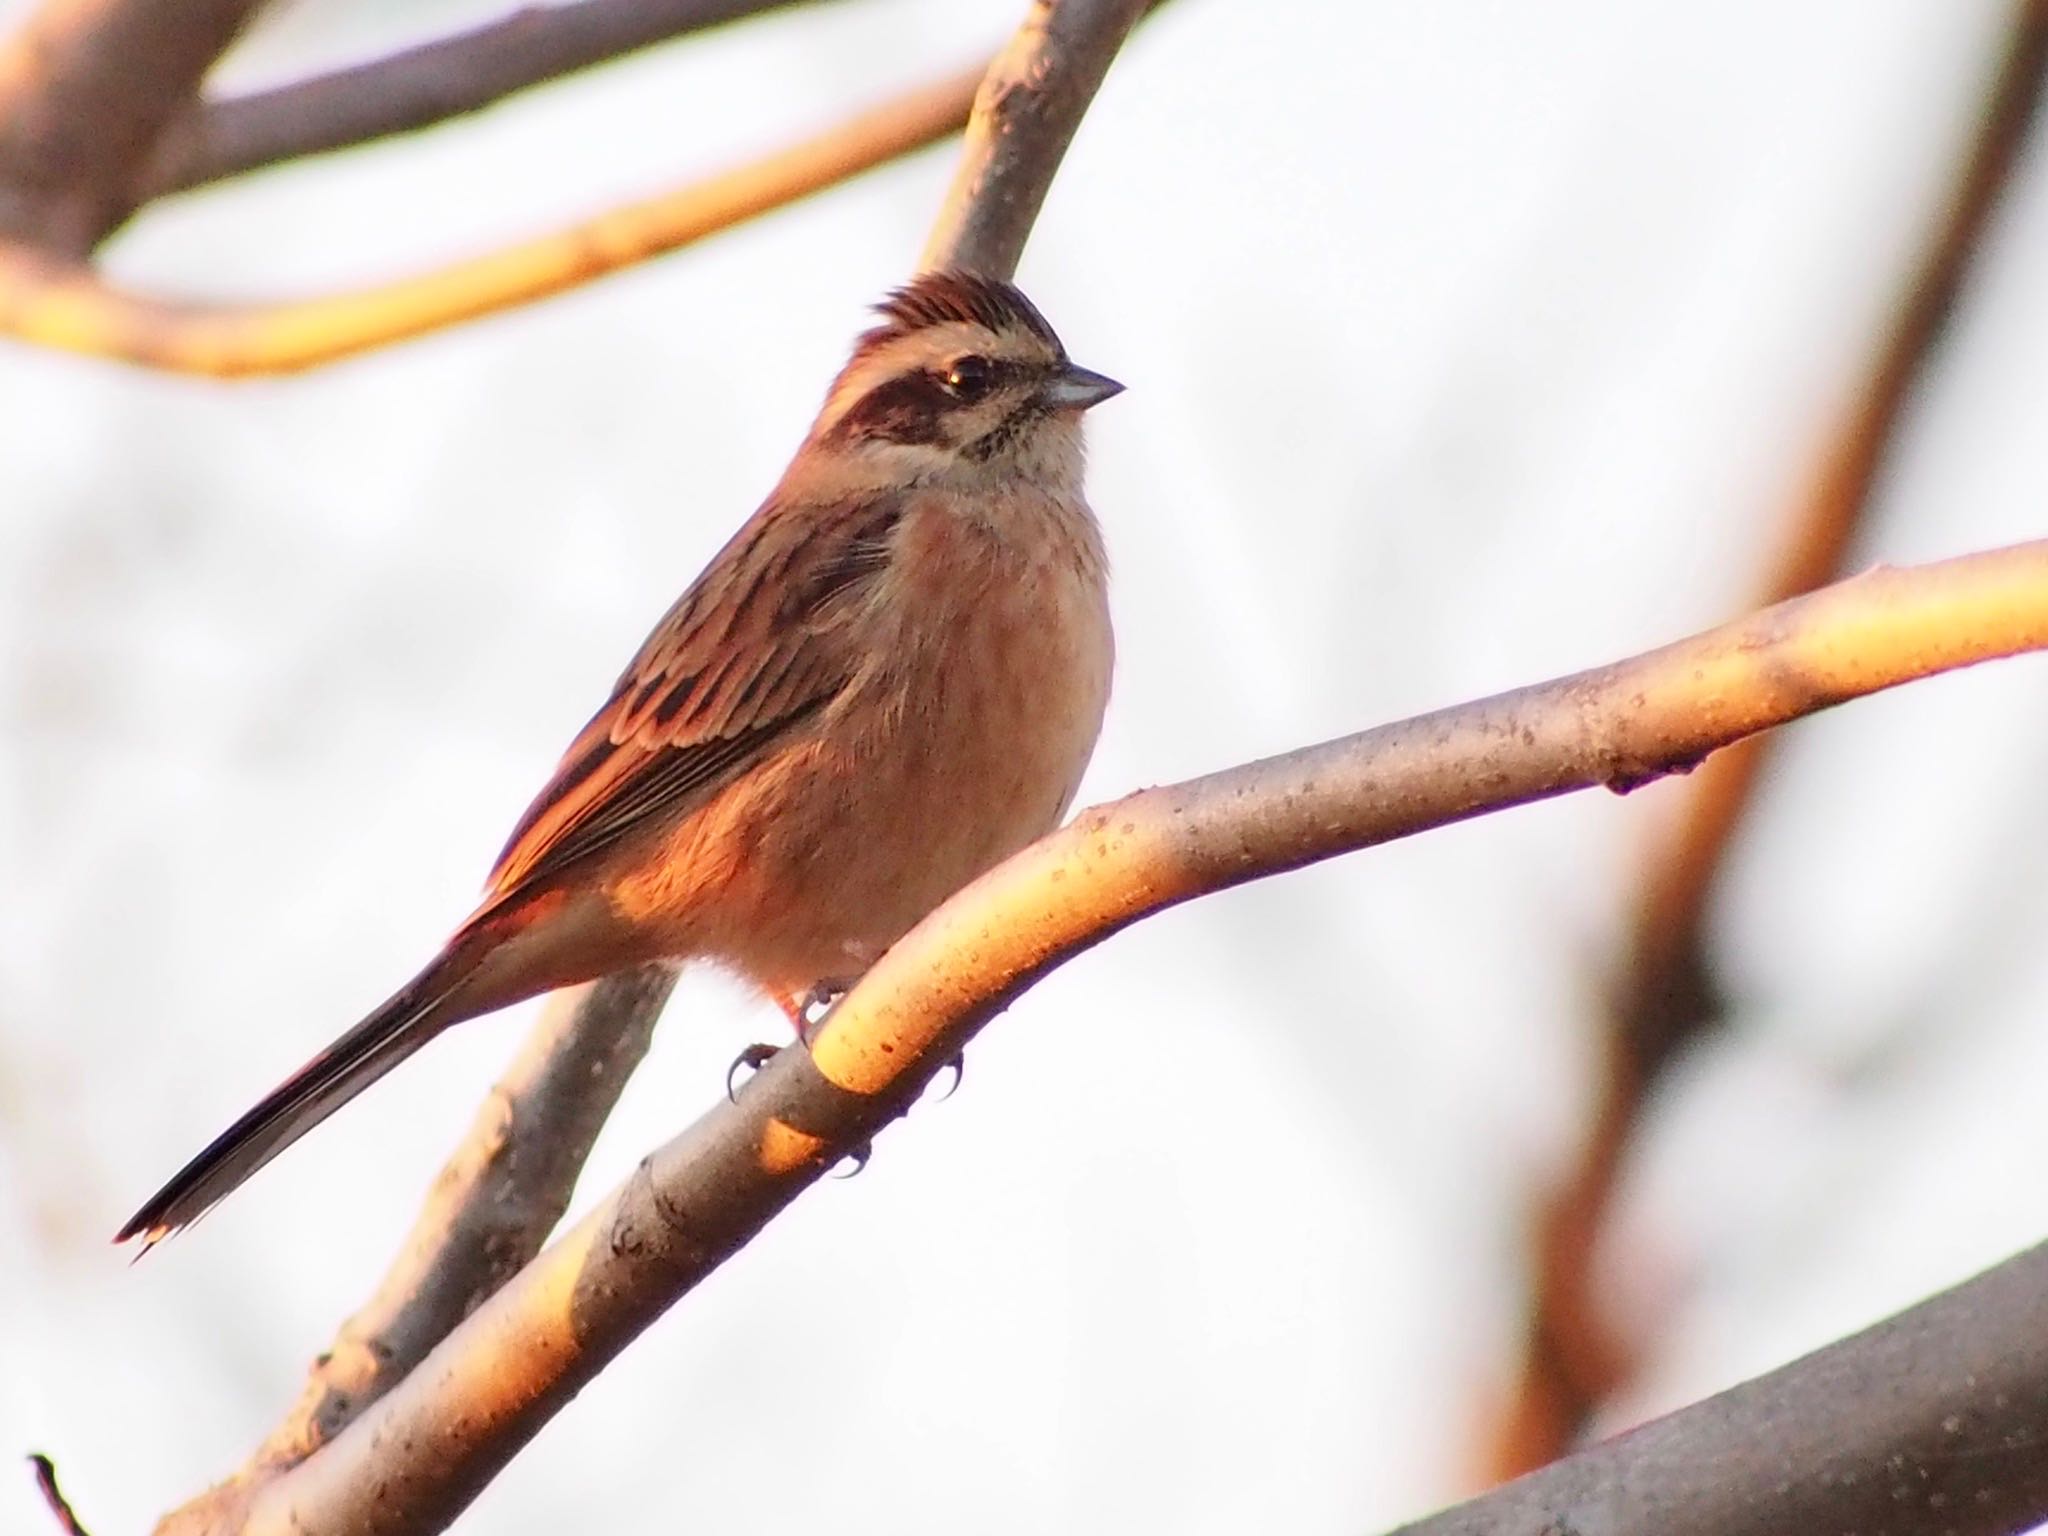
743 659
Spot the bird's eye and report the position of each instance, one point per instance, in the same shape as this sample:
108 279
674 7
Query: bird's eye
968 378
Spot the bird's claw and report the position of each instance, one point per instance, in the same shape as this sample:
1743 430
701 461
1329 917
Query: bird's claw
753 1059
858 1156
816 1005
958 1067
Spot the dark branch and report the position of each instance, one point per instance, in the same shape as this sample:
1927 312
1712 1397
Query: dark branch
86 88
422 85
1933 1422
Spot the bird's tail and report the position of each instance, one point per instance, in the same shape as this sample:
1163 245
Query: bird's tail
408 1021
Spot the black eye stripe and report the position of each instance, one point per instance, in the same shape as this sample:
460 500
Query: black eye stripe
910 407
905 409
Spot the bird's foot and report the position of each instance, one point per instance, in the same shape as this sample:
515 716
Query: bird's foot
753 1059
858 1156
816 1006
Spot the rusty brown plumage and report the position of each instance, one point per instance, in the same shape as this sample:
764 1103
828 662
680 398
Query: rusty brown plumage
890 678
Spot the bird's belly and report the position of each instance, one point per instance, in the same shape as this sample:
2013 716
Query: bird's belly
931 773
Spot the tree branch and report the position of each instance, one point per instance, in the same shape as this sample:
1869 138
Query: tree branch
86 87
418 1456
1025 115
420 86
1665 998
1936 1420
63 305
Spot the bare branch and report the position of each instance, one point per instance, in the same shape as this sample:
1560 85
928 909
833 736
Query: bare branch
436 1438
1936 1420
63 305
1665 998
420 86
86 87
1025 115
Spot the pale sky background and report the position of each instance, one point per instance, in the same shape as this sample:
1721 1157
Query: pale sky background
1467 343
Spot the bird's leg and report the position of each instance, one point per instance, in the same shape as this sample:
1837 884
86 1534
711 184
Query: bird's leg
752 1059
817 1004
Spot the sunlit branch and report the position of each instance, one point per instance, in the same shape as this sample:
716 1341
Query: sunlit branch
431 1443
60 304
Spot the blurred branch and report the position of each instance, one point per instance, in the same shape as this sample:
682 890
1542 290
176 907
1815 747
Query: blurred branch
64 305
420 86
86 87
1665 997
53 1496
416 1458
1025 115
1934 1423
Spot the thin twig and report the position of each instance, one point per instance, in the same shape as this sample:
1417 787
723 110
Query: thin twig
413 1461
86 87
66 306
420 86
53 1496
1665 998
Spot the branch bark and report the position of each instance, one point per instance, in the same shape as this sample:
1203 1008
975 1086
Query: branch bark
423 1451
1025 115
1933 1421
1664 998
420 86
63 304
86 87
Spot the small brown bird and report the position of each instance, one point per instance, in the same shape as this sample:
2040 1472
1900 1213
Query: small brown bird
888 680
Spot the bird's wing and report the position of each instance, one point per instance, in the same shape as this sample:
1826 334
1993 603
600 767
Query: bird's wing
744 657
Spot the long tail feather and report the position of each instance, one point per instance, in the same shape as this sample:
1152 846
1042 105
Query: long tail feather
383 1040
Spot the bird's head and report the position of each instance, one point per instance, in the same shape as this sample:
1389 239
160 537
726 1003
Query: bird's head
962 383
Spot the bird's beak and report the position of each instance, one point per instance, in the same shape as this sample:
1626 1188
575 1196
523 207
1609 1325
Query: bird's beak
1075 389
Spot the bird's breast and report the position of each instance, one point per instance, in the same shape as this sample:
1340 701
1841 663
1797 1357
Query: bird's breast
987 657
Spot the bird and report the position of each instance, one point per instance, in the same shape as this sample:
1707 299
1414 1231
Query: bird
889 679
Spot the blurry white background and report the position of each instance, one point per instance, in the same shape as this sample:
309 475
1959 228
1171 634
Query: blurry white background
1467 343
